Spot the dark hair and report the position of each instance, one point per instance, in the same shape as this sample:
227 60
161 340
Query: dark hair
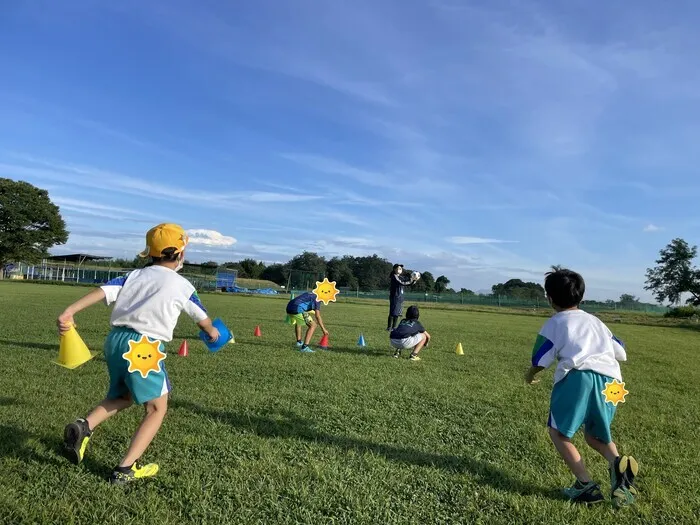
393 270
565 288
168 255
412 313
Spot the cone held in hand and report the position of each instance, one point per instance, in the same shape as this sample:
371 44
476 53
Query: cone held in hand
73 352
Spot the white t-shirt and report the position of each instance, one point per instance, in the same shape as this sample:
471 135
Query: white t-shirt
150 301
578 340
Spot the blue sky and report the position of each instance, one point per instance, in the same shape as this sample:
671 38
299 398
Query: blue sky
480 140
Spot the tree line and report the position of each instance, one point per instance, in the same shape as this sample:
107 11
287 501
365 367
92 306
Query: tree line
30 224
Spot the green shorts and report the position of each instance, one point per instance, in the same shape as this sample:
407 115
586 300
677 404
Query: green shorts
304 317
578 400
121 381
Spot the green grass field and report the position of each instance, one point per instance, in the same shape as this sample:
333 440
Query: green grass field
260 433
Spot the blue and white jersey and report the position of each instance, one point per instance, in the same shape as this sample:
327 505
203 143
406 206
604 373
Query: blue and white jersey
303 303
578 340
150 300
407 328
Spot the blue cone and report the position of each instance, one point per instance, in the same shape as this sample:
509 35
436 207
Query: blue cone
361 341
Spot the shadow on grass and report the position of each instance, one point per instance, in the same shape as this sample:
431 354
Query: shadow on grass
359 350
7 401
290 425
31 346
15 443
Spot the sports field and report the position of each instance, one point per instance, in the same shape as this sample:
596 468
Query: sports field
260 433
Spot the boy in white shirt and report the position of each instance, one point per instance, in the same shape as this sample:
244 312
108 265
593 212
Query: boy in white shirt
147 304
587 354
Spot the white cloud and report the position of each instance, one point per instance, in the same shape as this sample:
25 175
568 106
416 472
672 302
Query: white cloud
650 228
476 240
210 238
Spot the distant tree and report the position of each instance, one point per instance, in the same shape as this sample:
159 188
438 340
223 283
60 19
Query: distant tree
674 274
441 284
30 223
372 272
308 262
210 264
426 282
465 291
277 273
627 299
518 289
339 270
251 268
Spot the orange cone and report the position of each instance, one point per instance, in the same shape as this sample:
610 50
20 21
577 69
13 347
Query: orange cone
324 342
184 350
257 332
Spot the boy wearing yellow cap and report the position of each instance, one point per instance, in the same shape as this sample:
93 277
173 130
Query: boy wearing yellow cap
147 305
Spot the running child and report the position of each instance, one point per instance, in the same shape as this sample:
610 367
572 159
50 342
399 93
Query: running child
147 304
587 355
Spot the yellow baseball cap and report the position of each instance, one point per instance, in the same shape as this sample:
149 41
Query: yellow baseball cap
162 237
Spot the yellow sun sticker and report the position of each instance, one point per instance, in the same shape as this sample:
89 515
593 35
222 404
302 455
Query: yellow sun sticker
325 291
144 356
615 392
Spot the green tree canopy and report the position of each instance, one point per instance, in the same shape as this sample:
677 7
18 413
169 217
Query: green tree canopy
674 273
518 289
441 284
30 223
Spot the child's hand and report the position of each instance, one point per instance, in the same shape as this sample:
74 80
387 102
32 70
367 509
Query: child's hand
64 322
213 334
530 377
325 332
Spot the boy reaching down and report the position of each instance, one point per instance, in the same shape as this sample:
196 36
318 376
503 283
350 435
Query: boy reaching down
587 354
147 304
409 334
300 310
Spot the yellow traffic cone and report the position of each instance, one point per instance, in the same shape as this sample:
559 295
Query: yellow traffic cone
73 352
459 350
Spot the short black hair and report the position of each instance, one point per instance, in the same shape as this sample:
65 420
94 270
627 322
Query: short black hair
412 313
167 255
565 288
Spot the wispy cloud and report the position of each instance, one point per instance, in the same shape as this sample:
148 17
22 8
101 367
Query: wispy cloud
476 240
651 228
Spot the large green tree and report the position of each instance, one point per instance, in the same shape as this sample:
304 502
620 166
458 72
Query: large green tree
339 270
518 289
674 273
441 284
30 223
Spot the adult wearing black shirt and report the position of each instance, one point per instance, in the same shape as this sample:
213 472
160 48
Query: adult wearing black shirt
398 281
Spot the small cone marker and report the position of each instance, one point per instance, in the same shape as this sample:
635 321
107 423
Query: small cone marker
324 342
459 350
361 341
233 340
73 352
257 332
184 349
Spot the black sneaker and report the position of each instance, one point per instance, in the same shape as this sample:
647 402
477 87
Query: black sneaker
622 474
76 436
397 354
122 476
586 493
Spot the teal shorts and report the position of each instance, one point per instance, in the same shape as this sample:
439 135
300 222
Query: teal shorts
144 360
578 400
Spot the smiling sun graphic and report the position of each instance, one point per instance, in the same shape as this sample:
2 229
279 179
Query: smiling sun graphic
615 392
144 356
326 291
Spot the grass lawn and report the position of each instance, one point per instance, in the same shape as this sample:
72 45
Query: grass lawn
260 433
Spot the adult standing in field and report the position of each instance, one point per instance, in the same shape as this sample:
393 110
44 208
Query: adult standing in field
397 283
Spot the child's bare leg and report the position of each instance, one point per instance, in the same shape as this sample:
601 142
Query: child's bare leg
420 345
155 412
607 450
297 331
107 409
570 455
310 332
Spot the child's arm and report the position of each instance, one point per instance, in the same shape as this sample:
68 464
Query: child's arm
195 309
543 355
320 322
65 320
530 376
619 348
